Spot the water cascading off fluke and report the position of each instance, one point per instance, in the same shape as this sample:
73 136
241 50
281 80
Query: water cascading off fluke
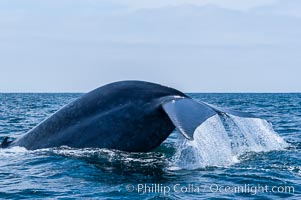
221 139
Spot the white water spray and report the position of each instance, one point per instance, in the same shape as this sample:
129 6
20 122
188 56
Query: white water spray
219 141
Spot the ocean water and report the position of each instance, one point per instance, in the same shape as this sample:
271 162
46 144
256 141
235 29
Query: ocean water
230 158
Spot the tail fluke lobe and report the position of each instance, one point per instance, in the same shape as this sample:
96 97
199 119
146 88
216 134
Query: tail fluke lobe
187 114
231 112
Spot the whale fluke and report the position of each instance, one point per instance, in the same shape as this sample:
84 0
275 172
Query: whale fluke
187 114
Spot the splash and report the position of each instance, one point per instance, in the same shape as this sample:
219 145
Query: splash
14 151
115 160
220 141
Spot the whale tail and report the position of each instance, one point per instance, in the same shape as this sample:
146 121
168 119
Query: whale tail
187 114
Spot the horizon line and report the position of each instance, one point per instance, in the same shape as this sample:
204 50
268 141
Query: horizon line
205 92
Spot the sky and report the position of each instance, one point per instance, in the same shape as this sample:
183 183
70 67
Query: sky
191 45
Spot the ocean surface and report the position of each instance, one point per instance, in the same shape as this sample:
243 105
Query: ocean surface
230 158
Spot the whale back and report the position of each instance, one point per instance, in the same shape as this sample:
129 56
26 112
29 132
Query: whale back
124 115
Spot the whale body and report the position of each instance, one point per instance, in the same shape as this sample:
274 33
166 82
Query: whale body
133 116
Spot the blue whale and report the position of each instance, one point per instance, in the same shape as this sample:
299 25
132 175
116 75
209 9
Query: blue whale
133 116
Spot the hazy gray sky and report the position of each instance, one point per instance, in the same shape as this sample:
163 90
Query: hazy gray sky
192 45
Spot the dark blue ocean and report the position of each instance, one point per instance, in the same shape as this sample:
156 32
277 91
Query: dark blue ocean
230 159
